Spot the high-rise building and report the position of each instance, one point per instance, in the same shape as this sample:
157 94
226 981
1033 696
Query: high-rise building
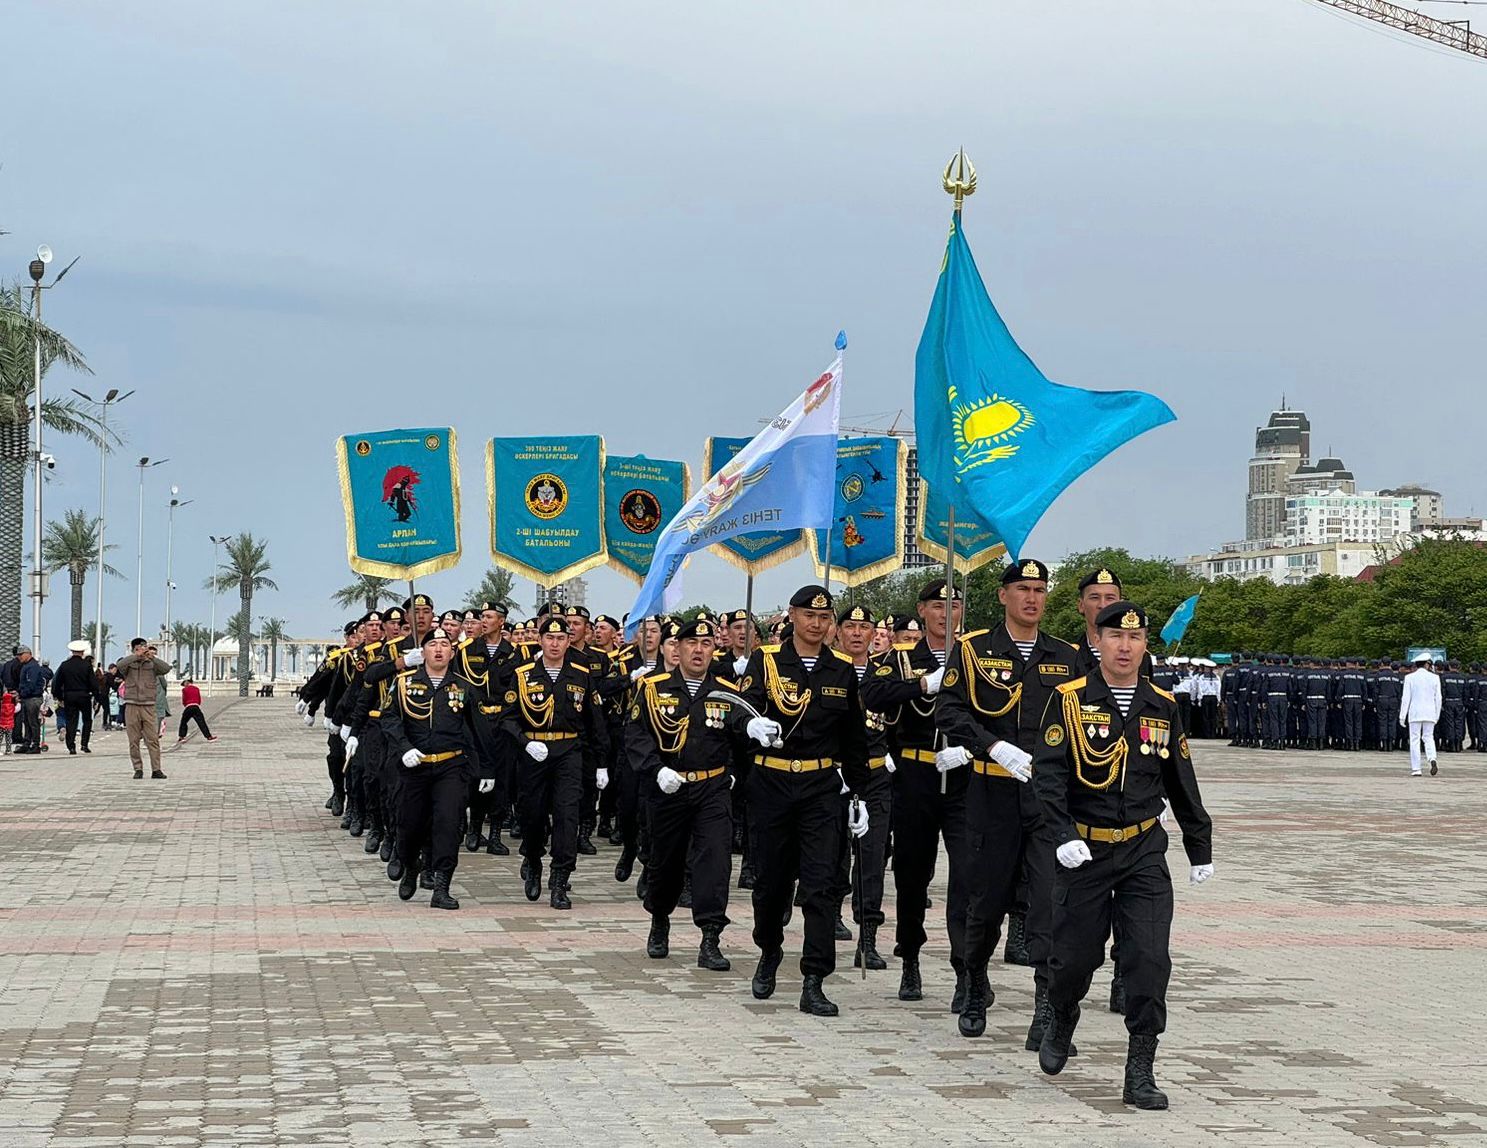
1334 516
914 558
1327 475
1428 507
1282 447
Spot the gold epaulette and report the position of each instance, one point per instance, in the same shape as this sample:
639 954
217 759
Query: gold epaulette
966 637
1170 697
771 648
406 673
524 667
661 677
905 646
1070 687
1060 642
463 642
584 666
727 685
844 657
372 647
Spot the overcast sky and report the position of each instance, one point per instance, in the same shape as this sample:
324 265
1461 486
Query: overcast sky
648 221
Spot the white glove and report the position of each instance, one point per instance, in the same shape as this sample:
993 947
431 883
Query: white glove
639 672
765 732
1201 873
330 726
413 658
1165 816
309 721
487 784
345 732
740 665
537 751
888 763
351 744
412 758
1072 854
301 707
668 780
601 779
1017 762
857 818
952 757
932 681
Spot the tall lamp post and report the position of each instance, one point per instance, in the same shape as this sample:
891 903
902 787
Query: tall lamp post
144 464
212 646
37 270
113 397
170 544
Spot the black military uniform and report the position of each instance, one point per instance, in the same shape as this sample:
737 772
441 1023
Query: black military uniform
927 804
679 743
441 721
1101 770
1453 708
323 689
994 692
633 804
795 807
374 697
1350 690
560 712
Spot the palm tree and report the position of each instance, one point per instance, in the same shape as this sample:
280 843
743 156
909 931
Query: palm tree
245 568
366 591
19 334
90 632
273 633
180 636
496 586
73 544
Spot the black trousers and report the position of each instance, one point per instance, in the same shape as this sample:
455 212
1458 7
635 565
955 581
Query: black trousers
335 760
77 713
371 748
691 832
1210 709
551 789
872 850
189 714
392 794
1130 884
994 811
433 796
921 816
630 800
797 824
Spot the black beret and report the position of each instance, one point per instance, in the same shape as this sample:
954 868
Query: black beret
455 614
856 614
934 591
606 618
697 628
553 625
396 614
910 624
549 607
1122 616
1100 577
350 627
812 598
498 607
1025 570
435 633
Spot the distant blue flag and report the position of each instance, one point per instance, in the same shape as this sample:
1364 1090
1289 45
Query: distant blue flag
1177 625
995 436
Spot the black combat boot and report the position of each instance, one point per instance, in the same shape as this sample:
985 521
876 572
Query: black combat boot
473 836
868 953
533 875
658 943
385 853
1015 950
559 898
978 999
709 955
409 884
1118 991
395 869
746 875
842 932
373 841
442 898
812 999
1053 1053
764 975
338 803
958 999
910 987
358 823
493 844
1141 1086
426 878
1042 1017
624 866
606 829
585 846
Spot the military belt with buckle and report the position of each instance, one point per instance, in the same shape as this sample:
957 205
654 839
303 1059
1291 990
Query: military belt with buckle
543 735
1114 836
989 768
877 762
703 774
925 755
794 764
436 758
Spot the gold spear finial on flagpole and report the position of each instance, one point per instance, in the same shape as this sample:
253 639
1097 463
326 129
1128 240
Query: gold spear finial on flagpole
963 182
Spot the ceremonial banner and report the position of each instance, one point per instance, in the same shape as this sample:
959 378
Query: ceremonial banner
995 436
752 551
783 479
976 544
641 495
867 533
546 499
400 490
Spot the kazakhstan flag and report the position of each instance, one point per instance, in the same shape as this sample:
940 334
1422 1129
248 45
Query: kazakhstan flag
996 437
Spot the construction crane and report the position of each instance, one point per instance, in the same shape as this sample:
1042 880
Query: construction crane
1448 33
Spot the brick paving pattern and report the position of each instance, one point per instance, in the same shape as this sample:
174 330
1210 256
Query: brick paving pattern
208 961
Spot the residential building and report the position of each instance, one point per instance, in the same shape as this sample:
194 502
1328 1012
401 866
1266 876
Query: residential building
1282 447
1429 508
1283 565
1336 516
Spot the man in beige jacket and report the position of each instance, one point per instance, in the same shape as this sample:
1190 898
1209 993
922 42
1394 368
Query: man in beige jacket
139 671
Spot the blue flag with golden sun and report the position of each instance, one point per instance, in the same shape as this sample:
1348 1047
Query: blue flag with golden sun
996 437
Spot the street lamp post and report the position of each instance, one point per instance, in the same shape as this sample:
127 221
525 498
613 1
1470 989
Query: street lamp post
144 464
212 646
108 400
170 543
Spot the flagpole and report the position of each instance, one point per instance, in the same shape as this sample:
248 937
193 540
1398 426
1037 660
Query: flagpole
749 610
949 601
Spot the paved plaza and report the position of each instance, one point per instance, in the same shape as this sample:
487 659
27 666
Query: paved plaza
208 961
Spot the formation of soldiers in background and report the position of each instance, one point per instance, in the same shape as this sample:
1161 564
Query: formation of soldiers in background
841 749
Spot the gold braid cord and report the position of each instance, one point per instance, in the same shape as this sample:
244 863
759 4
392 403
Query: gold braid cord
975 673
1085 755
791 707
482 679
671 733
925 707
411 707
538 715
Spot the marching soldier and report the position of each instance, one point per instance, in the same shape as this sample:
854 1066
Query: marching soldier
1097 590
553 712
325 689
809 726
678 741
638 660
435 732
596 763
1111 749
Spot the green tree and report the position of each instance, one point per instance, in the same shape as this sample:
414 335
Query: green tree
246 569
72 544
272 632
367 592
1434 595
895 593
19 334
496 586
90 633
